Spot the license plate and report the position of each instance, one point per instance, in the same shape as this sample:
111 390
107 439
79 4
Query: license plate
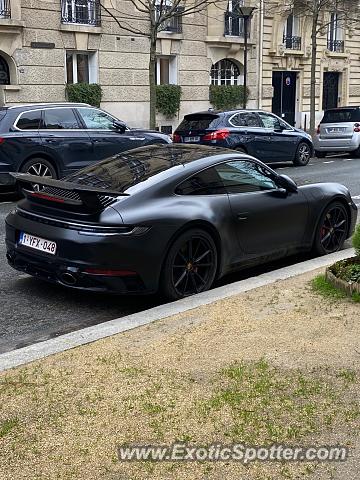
336 130
191 139
37 243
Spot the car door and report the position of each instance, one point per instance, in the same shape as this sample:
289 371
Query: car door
107 139
283 138
248 131
64 140
267 219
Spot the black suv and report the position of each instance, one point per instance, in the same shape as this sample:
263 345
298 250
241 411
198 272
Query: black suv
57 139
258 133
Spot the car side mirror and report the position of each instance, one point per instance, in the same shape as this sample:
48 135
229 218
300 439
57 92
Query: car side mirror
283 181
279 128
119 126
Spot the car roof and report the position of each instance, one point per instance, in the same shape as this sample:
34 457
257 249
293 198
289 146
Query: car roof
217 113
30 106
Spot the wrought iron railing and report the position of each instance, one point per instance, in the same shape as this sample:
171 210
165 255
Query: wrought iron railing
174 23
292 43
5 11
85 12
234 25
336 46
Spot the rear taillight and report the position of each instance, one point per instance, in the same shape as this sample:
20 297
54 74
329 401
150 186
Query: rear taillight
217 135
176 138
318 130
357 127
2 140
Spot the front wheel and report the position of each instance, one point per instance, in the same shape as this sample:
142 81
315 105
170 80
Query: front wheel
190 265
332 229
303 155
39 167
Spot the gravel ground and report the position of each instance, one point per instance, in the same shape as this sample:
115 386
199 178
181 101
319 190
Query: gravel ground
179 379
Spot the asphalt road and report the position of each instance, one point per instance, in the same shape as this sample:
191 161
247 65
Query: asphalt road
33 311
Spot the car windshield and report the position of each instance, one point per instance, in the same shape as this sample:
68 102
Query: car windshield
341 115
128 171
198 122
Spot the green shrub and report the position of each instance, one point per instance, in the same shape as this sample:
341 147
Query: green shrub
84 93
356 240
226 97
168 99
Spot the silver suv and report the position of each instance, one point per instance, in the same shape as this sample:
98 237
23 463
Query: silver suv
339 131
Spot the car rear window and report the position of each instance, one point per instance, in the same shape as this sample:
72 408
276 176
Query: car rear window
138 168
199 122
29 120
341 116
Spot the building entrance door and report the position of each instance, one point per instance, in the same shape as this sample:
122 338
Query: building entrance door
284 99
331 90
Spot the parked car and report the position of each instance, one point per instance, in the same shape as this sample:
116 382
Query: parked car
258 133
339 131
54 140
172 218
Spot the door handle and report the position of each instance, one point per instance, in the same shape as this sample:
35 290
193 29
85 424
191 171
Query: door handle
242 216
50 140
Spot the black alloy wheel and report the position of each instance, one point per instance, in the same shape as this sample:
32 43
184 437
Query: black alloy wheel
332 229
303 155
190 266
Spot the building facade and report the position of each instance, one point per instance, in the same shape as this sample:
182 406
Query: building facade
45 44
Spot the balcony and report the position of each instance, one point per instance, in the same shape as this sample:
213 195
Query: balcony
336 46
81 12
173 24
292 43
234 25
5 11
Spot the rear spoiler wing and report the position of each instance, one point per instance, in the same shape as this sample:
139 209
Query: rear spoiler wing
89 196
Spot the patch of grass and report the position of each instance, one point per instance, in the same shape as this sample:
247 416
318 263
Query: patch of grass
263 404
356 297
8 425
321 286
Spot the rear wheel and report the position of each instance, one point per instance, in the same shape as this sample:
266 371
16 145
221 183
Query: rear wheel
320 154
303 155
190 266
332 229
39 167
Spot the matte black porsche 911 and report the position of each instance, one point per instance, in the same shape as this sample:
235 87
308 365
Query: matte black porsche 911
170 218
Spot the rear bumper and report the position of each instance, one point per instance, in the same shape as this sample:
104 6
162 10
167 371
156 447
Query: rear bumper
77 253
336 144
6 180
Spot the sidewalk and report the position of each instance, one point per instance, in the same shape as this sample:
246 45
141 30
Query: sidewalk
276 364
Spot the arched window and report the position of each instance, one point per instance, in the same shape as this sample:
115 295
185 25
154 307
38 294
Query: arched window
225 72
4 72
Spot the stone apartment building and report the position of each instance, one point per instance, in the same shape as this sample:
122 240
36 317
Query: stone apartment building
46 43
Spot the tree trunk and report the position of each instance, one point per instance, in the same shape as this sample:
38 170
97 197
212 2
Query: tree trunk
313 73
152 80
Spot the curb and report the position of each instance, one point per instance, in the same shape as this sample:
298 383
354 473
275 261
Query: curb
87 335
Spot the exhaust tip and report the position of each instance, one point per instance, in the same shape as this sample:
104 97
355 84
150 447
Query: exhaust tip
68 278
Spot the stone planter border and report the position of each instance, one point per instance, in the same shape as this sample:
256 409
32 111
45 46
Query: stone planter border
344 286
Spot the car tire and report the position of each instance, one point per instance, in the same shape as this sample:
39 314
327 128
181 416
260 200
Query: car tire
183 274
40 167
332 229
303 154
320 154
355 153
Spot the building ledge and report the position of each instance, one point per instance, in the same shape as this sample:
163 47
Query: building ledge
170 35
8 25
227 40
290 51
78 28
11 88
344 54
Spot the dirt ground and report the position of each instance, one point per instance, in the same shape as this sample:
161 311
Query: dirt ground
276 364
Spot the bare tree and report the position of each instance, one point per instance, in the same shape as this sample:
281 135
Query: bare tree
318 12
155 16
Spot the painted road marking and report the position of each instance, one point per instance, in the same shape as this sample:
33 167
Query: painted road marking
331 161
356 197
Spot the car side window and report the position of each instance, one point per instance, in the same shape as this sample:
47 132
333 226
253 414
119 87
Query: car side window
60 119
270 121
206 182
245 119
29 120
243 177
96 119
